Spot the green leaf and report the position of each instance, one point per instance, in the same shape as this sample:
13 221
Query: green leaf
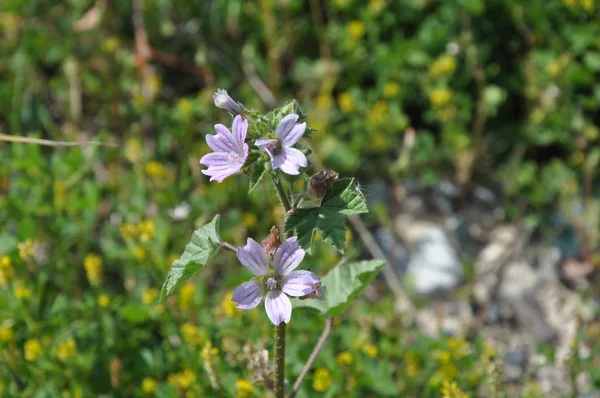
344 283
343 199
135 313
258 172
204 245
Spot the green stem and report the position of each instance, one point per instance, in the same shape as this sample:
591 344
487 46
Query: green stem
285 202
280 360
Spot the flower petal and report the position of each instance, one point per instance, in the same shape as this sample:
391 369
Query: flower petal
253 257
299 283
239 128
288 256
289 161
293 135
286 125
278 306
223 141
248 295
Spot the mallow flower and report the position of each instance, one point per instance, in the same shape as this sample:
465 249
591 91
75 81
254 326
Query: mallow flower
274 281
283 156
230 151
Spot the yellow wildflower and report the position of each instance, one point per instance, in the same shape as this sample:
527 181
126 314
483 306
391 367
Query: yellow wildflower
191 334
227 307
375 6
146 230
443 65
33 350
182 379
459 347
60 194
356 30
451 390
6 270
346 102
186 296
149 385
370 350
209 352
22 291
587 5
26 249
156 170
128 231
249 219
440 97
577 158
412 365
6 334
442 356
184 105
66 349
140 253
391 89
344 359
93 268
378 113
322 380
171 259
103 300
149 295
133 150
554 68
244 389
110 44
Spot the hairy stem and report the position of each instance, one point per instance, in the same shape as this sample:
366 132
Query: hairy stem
285 202
280 360
313 356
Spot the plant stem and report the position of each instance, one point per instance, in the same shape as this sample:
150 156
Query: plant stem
285 202
280 360
313 356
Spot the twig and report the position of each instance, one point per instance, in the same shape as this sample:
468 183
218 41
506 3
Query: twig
257 84
390 276
313 356
39 141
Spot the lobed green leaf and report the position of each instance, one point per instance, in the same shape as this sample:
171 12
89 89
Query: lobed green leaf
204 245
343 199
343 284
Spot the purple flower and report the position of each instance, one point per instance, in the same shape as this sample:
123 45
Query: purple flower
276 282
230 151
283 156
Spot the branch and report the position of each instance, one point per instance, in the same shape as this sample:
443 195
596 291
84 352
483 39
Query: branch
313 356
39 141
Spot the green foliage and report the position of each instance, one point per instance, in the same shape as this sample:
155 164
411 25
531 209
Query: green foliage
343 199
203 246
344 283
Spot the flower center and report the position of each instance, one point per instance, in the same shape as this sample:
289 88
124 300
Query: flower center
271 283
233 157
274 147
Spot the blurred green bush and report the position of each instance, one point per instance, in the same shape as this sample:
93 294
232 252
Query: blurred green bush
495 92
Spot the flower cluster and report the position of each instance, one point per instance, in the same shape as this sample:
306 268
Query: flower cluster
230 149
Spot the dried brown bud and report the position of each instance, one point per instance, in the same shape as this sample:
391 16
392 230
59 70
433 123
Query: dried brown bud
318 293
272 243
321 182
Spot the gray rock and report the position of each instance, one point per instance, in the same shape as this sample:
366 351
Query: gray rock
434 266
515 363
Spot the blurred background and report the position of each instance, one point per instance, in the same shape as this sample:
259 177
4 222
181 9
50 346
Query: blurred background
472 126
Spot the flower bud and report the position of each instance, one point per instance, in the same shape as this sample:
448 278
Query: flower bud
321 182
224 101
